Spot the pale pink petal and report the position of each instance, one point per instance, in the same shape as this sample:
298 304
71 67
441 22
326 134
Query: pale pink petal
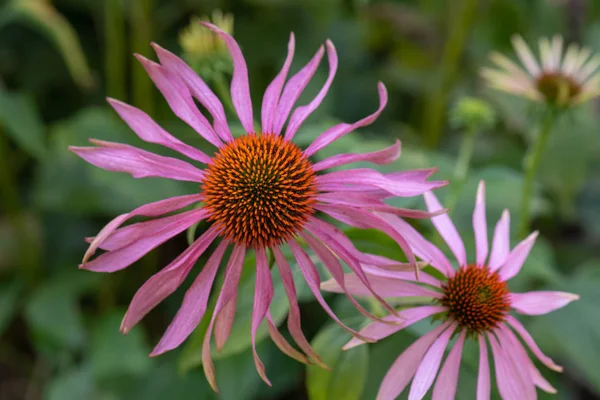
385 287
263 295
122 258
405 366
540 303
404 275
199 89
429 366
138 163
447 230
301 113
273 91
180 100
544 359
194 305
517 364
501 243
525 55
240 88
228 292
281 342
151 132
292 90
480 226
385 156
334 133
511 385
445 386
483 376
517 257
165 282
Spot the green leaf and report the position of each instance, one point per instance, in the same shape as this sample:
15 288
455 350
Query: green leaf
22 123
9 293
347 377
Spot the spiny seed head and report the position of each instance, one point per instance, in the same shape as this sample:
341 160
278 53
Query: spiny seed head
260 190
557 88
477 299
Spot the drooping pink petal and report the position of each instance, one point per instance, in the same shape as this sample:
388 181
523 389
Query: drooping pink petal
429 366
224 323
447 230
194 304
180 100
228 292
544 359
165 282
336 132
511 385
281 342
405 366
147 210
517 257
541 302
501 243
403 275
405 318
445 385
292 90
380 157
125 256
517 363
273 91
240 87
301 113
199 89
294 325
263 295
151 132
480 226
483 376
138 163
385 287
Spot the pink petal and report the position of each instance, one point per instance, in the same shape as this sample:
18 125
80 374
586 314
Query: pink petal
544 359
405 318
147 210
293 89
151 132
138 163
273 91
180 100
282 344
403 275
511 385
483 376
194 305
127 255
429 365
540 303
517 257
480 226
447 230
335 132
240 88
301 113
501 243
385 156
165 282
228 292
517 363
263 295
199 89
224 323
405 366
445 386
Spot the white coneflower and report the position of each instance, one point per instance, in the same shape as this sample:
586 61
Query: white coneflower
557 80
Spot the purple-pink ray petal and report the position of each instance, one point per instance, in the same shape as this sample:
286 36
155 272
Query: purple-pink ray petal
194 304
511 385
385 287
517 365
336 132
273 91
301 113
447 230
403 275
526 336
282 344
380 157
540 303
224 323
501 243
165 282
517 257
483 375
445 385
240 87
480 226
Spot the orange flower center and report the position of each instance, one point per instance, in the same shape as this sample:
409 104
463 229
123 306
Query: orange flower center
557 88
260 190
477 299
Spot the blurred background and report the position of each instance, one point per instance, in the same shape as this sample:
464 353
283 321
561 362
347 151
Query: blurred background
59 59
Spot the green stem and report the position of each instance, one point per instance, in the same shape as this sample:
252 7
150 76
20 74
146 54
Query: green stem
462 167
114 32
531 163
141 25
223 92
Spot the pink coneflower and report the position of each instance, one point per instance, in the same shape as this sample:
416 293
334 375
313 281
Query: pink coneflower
473 302
259 192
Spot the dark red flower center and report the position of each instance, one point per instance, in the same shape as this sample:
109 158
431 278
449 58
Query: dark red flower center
260 190
557 88
477 299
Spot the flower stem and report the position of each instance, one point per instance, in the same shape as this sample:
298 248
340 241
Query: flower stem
531 163
114 51
461 170
223 92
141 24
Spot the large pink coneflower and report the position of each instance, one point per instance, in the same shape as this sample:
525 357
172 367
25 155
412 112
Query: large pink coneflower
473 302
259 192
